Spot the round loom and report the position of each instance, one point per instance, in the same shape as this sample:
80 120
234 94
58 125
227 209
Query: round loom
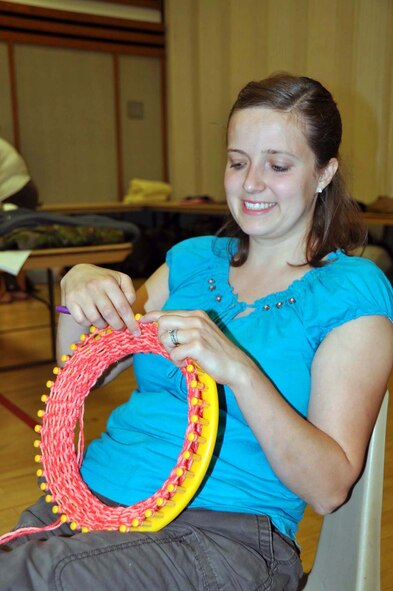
61 458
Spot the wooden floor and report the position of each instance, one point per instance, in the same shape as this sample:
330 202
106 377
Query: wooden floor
25 337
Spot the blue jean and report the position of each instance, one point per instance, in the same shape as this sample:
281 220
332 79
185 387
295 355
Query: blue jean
199 551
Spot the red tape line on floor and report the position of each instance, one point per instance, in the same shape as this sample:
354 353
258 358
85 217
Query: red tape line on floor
18 412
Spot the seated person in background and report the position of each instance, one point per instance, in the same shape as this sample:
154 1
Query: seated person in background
284 320
16 185
17 188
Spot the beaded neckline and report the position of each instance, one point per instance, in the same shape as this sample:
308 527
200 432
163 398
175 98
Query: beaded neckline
274 299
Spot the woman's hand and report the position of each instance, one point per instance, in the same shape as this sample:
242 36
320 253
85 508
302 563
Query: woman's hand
193 334
100 297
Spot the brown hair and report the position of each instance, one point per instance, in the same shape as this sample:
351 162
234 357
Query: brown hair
337 223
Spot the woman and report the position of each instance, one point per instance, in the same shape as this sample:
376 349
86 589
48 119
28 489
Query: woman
284 320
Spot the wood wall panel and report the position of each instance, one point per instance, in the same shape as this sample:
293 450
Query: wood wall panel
140 81
344 89
346 44
6 121
213 71
149 11
286 24
183 99
371 85
254 44
321 40
388 180
66 119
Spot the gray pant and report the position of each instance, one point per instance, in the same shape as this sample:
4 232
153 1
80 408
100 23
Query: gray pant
199 551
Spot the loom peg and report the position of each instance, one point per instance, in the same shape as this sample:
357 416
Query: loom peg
188 455
196 438
197 385
148 513
160 502
199 420
174 488
183 473
145 523
199 402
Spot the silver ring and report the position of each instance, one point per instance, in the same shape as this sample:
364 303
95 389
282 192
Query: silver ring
173 334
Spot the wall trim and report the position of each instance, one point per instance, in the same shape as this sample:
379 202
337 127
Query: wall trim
26 23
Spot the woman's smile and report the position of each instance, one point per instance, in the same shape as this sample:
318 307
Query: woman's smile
257 207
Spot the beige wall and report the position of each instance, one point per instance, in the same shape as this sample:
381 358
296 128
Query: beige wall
216 46
67 124
69 115
141 141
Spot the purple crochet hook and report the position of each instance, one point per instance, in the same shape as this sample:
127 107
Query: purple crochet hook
62 310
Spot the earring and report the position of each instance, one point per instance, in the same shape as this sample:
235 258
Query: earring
319 190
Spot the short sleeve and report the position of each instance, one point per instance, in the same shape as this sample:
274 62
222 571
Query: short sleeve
348 288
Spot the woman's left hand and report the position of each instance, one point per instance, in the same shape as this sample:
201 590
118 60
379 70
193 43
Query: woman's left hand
193 334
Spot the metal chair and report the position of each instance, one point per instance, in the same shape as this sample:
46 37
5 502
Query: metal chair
348 553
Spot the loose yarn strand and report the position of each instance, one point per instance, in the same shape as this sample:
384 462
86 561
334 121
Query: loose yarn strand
24 531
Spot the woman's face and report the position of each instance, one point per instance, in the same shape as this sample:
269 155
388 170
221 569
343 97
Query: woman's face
271 180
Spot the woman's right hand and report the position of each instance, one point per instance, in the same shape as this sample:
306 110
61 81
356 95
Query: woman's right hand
100 297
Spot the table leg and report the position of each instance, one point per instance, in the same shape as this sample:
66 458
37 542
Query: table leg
52 315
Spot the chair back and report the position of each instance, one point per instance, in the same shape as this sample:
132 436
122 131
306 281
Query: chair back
348 552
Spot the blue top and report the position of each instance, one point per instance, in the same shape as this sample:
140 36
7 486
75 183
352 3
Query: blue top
136 454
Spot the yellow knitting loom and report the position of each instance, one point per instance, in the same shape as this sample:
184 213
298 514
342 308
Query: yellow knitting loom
60 458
